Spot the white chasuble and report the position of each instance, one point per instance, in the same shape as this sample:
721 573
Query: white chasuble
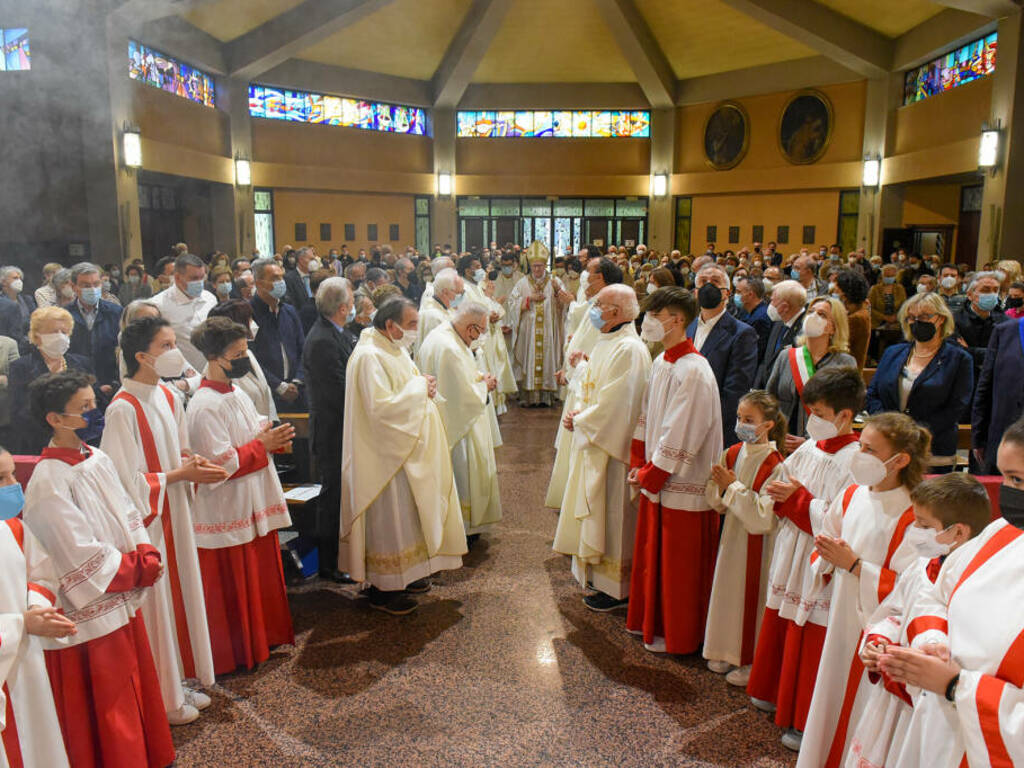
27 579
432 315
873 524
597 522
145 436
744 553
977 599
400 514
462 403
534 312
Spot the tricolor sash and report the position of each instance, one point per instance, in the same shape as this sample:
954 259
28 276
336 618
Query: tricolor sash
801 366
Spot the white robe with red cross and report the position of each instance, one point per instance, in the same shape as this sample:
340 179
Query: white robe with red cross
977 600
873 524
31 734
145 436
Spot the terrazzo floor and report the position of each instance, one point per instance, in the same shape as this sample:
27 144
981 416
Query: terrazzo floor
501 665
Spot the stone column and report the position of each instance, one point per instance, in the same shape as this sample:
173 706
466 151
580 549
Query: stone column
660 218
236 202
883 96
442 209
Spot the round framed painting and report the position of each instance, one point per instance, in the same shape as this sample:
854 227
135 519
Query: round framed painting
726 136
805 127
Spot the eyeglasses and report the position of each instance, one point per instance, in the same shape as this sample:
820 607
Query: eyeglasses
927 318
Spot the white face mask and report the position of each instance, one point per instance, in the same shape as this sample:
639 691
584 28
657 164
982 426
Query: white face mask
408 337
867 469
815 325
169 364
67 292
820 429
949 283
773 314
651 287
478 342
54 344
651 329
923 540
313 266
17 285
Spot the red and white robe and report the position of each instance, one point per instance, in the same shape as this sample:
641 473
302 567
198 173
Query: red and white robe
145 436
235 523
880 731
977 599
677 439
744 553
793 628
104 682
873 524
28 721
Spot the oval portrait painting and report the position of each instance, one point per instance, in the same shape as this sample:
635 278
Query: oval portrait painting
805 127
726 135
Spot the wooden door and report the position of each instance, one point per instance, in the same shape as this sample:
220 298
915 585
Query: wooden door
474 234
507 228
596 231
630 233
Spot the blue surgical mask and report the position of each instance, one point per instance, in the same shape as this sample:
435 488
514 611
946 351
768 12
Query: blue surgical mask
94 424
506 270
988 301
738 301
351 315
194 288
595 318
479 276
888 280
456 300
91 296
279 289
794 273
12 500
747 432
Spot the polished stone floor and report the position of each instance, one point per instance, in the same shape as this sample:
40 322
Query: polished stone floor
501 666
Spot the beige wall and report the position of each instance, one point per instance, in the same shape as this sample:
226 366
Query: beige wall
793 209
338 209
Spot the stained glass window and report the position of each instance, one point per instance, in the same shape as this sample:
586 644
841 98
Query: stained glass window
563 235
14 50
265 233
568 207
474 206
302 107
536 207
527 230
636 208
167 74
560 124
501 207
600 208
542 231
964 65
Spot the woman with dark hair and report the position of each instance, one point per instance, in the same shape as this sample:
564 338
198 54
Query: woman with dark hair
254 383
104 681
853 292
235 521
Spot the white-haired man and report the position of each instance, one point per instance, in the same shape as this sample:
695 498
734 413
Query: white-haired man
436 267
597 520
447 294
787 309
465 391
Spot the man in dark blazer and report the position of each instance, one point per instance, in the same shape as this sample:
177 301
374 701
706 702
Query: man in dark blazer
729 346
279 338
326 353
97 325
753 310
999 394
300 290
786 310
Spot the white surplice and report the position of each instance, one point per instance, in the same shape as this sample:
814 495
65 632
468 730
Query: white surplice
26 580
597 522
432 314
400 514
873 524
977 599
144 450
539 332
86 521
462 402
239 510
749 525
584 336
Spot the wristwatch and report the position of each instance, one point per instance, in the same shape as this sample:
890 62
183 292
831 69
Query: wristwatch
951 688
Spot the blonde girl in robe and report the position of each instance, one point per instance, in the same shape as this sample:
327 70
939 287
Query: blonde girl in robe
748 535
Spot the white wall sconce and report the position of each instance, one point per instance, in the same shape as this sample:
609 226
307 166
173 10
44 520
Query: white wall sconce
988 148
659 184
872 172
131 148
445 185
243 172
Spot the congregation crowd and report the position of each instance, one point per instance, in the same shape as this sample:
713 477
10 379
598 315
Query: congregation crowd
758 457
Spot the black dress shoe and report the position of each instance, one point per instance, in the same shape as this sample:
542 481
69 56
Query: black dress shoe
395 603
338 577
603 603
472 539
418 587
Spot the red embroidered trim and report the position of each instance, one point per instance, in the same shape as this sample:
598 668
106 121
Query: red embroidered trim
245 522
84 572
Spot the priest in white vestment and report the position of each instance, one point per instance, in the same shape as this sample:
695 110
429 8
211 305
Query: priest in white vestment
145 436
598 518
449 291
438 264
535 309
29 730
496 352
463 392
400 515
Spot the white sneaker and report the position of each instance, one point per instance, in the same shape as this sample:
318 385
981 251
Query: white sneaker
720 667
197 699
658 646
763 705
183 715
638 632
791 739
739 677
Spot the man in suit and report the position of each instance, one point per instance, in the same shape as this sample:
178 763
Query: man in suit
803 271
978 317
729 345
279 340
97 325
326 353
786 311
297 280
753 310
998 395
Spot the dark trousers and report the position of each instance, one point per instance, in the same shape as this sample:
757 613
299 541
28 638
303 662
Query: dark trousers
328 511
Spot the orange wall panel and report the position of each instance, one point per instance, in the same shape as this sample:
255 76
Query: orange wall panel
170 119
338 209
931 204
280 142
947 118
553 157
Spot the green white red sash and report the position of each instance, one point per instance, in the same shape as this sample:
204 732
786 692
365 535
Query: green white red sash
801 366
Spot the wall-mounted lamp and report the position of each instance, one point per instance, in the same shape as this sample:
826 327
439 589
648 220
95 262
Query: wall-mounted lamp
988 148
131 148
659 184
872 172
243 172
445 185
